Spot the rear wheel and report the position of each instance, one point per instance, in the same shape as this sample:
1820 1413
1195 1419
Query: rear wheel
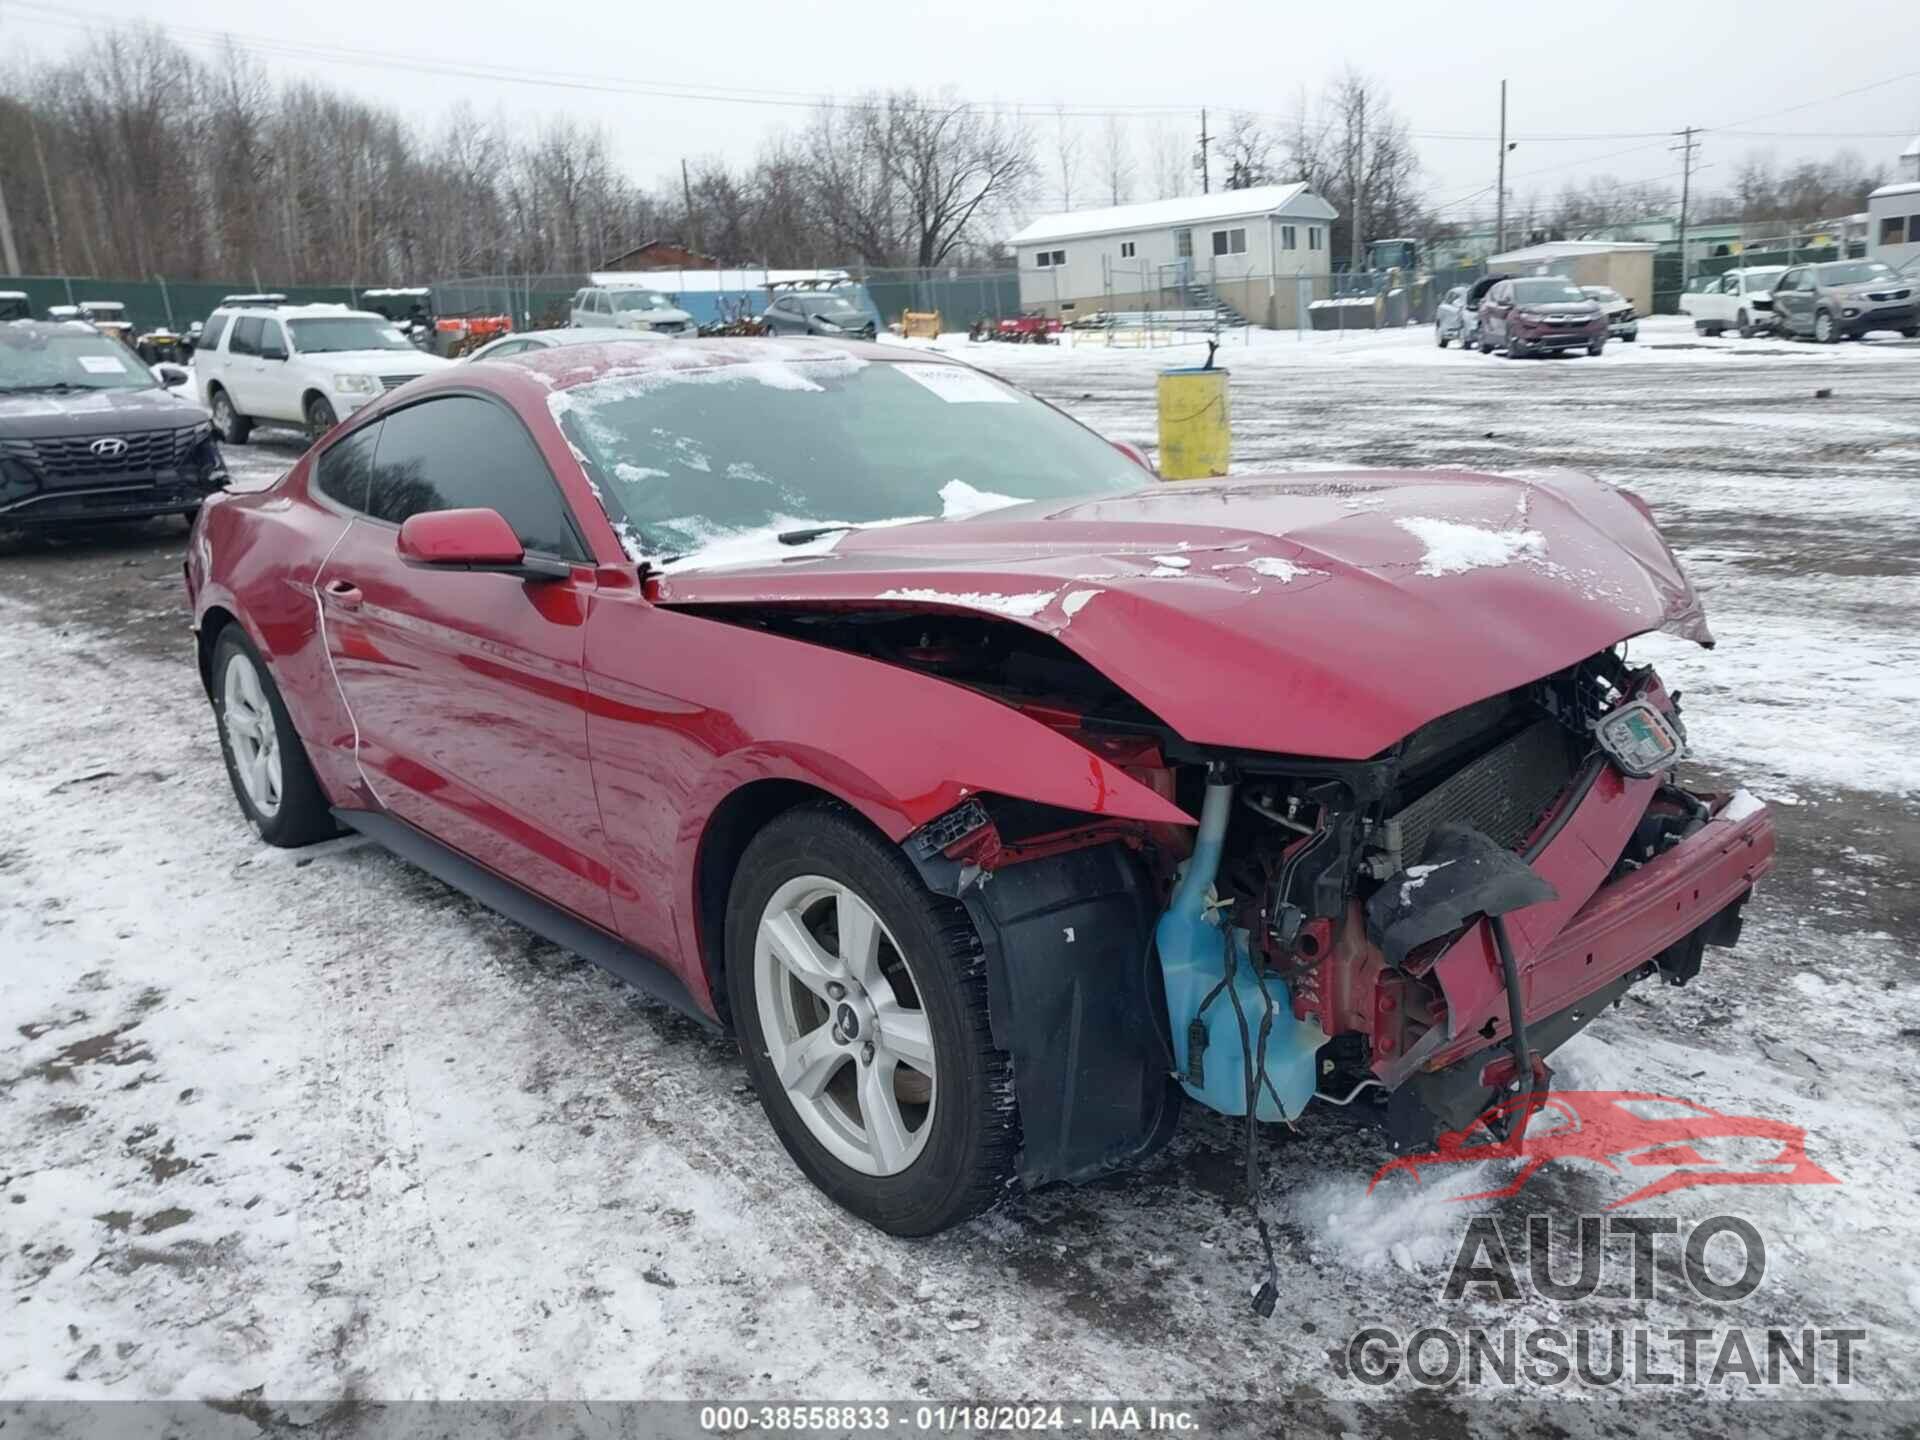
320 417
234 427
1744 325
266 762
860 999
1439 335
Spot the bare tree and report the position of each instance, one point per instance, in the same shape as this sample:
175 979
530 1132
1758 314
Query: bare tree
1246 151
1167 160
1116 160
1066 156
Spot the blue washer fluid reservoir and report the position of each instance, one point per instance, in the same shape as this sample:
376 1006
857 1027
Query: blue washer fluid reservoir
1194 946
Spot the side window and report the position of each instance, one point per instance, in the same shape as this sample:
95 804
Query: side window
273 340
602 303
460 452
246 336
344 468
211 332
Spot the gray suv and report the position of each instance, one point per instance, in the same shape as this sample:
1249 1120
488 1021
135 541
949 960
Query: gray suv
1845 298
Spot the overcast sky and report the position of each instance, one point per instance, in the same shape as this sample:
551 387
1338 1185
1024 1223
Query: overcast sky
1605 72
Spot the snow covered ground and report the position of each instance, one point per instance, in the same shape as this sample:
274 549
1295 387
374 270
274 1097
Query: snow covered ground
312 1124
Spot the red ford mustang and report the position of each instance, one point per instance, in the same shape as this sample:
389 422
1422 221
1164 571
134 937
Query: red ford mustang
998 796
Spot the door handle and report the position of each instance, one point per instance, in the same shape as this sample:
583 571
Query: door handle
343 593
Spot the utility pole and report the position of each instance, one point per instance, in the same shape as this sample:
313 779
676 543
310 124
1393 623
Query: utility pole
1356 184
686 189
1206 185
7 251
53 211
1500 188
1686 147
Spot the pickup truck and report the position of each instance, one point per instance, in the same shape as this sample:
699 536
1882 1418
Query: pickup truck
1739 300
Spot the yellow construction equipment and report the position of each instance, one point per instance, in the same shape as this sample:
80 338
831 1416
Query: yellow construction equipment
1195 428
920 324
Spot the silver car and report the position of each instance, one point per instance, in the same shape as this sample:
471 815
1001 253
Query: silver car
629 307
1457 316
523 341
1622 323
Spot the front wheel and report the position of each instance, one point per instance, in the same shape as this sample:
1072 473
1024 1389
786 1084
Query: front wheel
860 1000
1824 330
320 417
1440 337
1744 325
266 762
1597 347
234 427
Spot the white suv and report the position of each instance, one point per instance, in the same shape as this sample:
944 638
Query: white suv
630 307
306 365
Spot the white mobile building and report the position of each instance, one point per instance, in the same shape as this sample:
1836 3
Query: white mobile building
1229 248
1893 211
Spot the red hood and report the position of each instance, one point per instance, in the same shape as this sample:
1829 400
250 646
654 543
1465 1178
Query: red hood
1325 614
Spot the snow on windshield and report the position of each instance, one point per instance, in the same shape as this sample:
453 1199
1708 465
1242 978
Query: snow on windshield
690 455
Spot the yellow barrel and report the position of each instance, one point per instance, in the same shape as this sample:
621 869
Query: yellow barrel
1195 433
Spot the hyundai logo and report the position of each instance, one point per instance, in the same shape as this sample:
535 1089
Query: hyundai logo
111 448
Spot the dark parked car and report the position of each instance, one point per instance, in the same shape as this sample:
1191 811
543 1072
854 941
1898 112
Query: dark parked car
819 312
1536 313
1844 299
959 765
86 433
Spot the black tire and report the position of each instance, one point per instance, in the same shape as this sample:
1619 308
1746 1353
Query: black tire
303 816
1700 328
1440 337
320 417
1630 336
1744 325
1832 335
966 1164
1597 347
1911 332
234 427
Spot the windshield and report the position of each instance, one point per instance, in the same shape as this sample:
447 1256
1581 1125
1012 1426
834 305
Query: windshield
1546 292
827 304
68 362
639 300
347 332
684 459
1860 272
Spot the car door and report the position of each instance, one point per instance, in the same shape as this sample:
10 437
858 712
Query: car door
466 688
242 373
279 384
1789 301
1494 309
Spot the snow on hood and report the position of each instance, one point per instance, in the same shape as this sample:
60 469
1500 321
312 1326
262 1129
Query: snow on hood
1315 614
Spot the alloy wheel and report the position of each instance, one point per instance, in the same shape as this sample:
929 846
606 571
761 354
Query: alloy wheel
252 735
843 1025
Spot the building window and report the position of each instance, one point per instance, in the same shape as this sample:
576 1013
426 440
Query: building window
1230 242
1313 237
1893 230
1126 249
1047 259
1289 237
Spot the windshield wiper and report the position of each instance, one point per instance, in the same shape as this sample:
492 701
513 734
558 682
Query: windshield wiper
801 537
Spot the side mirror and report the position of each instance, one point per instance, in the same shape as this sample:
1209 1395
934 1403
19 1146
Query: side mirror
472 540
1135 454
170 375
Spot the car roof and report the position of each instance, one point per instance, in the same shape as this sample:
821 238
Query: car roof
49 328
571 335
319 309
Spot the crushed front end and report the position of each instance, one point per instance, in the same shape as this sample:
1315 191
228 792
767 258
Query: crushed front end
1333 930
